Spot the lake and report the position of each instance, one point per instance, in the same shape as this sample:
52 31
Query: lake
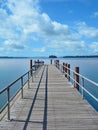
13 68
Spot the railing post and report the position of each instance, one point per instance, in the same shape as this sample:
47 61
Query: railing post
8 101
32 75
31 70
31 67
63 67
82 88
58 64
76 78
51 61
54 62
28 79
68 72
21 87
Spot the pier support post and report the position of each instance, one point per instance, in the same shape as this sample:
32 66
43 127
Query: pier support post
76 78
31 67
63 67
68 72
22 87
28 80
31 72
51 61
8 101
55 62
58 64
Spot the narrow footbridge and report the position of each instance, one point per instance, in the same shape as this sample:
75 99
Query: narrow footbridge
50 103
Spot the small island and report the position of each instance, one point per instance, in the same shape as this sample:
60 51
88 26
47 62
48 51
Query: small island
52 56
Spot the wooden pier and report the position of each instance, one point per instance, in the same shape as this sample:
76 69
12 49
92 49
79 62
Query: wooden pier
50 103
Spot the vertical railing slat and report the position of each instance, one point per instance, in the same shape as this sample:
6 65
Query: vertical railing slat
83 88
21 87
8 101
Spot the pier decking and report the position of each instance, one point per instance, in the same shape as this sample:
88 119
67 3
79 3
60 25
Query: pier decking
51 103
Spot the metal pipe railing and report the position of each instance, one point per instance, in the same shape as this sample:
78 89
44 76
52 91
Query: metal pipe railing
8 88
63 67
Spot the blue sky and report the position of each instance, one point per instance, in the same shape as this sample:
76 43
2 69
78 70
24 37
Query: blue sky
48 27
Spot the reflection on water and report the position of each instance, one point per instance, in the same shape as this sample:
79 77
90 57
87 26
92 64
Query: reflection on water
11 69
87 68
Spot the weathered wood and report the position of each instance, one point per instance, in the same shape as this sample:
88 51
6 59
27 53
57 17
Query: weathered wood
63 68
51 61
66 64
51 103
68 72
76 78
31 67
57 63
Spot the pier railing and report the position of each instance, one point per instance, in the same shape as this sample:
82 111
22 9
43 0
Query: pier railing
16 87
79 81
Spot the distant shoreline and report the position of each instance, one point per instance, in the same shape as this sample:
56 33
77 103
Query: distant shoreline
90 56
12 57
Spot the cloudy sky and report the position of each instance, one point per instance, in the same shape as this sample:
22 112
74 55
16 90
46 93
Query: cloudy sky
45 27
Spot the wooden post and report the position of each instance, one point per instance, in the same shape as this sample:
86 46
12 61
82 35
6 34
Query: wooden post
55 63
58 64
8 100
76 78
63 67
51 61
68 72
31 67
28 79
22 87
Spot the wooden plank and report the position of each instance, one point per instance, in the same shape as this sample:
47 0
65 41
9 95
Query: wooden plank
51 105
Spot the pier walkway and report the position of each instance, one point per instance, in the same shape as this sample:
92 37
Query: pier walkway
50 103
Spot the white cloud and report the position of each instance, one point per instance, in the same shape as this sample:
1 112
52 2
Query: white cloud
26 25
68 45
41 50
12 45
2 49
26 20
95 14
94 47
89 32
61 28
8 42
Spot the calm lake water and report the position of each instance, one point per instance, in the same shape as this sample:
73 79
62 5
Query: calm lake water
11 69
